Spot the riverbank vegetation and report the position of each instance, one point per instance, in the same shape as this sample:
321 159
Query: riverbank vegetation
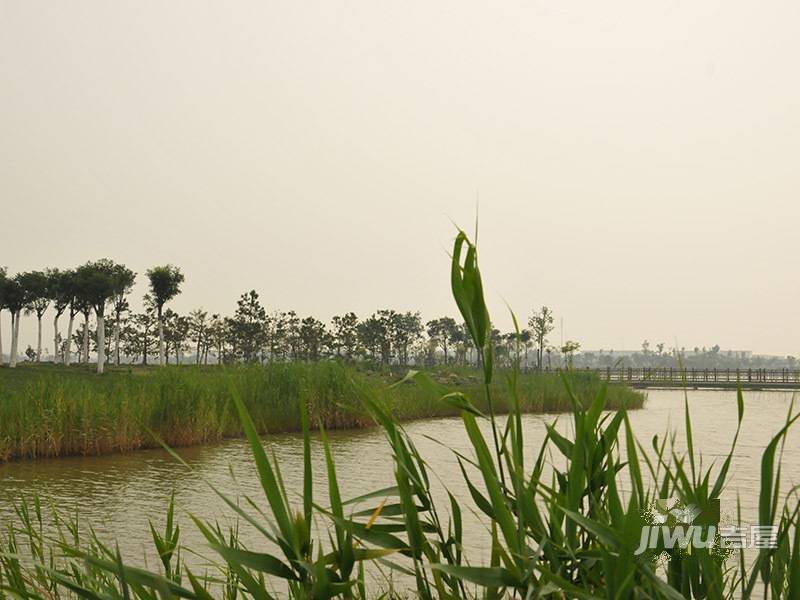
48 411
567 524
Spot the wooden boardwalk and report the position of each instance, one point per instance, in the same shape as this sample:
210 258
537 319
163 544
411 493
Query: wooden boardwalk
668 377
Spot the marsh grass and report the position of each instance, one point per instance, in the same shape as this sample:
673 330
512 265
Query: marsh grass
48 411
564 525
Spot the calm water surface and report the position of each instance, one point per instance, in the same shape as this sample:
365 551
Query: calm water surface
118 494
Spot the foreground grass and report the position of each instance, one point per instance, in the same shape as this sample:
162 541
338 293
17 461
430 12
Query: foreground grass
48 411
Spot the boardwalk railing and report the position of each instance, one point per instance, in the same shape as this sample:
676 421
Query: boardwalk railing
670 375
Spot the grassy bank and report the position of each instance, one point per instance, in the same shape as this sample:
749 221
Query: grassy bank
48 411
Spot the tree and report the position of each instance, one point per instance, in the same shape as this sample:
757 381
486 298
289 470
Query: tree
525 339
37 298
541 324
549 350
14 301
276 339
80 339
75 306
313 338
176 331
292 334
78 305
60 289
98 282
248 327
198 325
444 332
216 333
569 349
345 335
124 279
372 335
404 330
165 284
139 336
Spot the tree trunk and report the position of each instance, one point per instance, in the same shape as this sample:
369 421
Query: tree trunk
55 339
39 339
101 343
161 359
85 353
12 362
68 346
1 336
116 340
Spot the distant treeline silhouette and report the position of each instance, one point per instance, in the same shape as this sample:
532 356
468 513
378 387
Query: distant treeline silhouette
97 292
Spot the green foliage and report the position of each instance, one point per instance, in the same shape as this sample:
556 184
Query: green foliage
12 294
247 327
165 284
35 286
98 281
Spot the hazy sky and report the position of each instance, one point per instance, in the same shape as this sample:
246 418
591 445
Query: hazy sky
636 162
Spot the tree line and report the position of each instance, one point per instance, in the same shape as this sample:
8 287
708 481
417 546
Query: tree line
96 294
98 288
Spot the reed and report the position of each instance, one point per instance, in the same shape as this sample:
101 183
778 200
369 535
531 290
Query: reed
50 411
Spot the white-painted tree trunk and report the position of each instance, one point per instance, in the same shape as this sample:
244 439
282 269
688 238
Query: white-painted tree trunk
101 344
12 363
1 336
68 347
39 339
161 359
85 356
55 338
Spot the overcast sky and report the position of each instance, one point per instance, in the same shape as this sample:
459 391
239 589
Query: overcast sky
636 162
